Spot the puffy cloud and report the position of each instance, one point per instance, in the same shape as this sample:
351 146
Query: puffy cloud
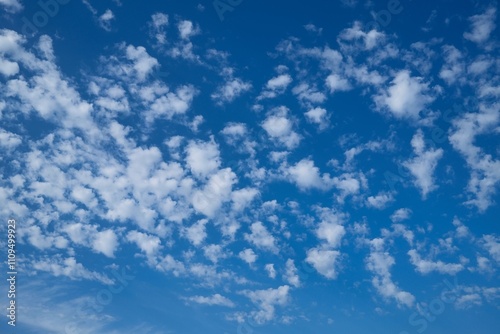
267 300
11 6
149 244
9 140
275 86
331 230
196 233
280 128
106 242
230 90
324 261
492 244
308 94
423 165
336 83
291 274
271 272
105 19
400 215
187 29
202 158
69 267
482 25
306 175
215 299
379 201
380 262
406 97
370 39
216 192
426 266
318 116
157 24
485 170
261 237
248 255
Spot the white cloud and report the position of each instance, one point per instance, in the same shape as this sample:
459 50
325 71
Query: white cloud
306 176
280 128
69 267
158 22
187 29
105 20
380 200
400 215
248 256
308 94
370 39
202 158
230 90
485 170
380 262
336 83
492 245
11 6
331 230
8 68
267 300
291 274
324 261
261 237
482 25
215 299
106 242
271 272
422 167
427 266
453 68
216 192
196 233
406 97
9 140
318 116
149 244
275 86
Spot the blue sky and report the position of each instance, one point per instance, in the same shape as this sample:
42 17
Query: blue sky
251 166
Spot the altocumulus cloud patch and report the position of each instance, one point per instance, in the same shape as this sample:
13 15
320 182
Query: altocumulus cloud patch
177 168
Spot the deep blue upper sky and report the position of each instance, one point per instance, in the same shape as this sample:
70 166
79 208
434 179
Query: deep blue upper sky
251 166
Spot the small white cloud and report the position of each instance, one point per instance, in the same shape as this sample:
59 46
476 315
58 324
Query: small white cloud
482 25
230 90
324 261
261 237
280 128
187 29
275 86
406 97
196 233
336 83
318 116
215 299
106 242
401 215
266 301
11 6
423 165
427 266
105 20
379 201
291 274
248 255
271 272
